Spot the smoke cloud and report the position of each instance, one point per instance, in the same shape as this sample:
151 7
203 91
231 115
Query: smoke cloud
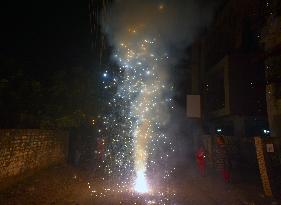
148 37
174 23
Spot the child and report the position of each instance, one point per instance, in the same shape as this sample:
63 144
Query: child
222 159
201 160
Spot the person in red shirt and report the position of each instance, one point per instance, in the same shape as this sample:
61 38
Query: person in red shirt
201 160
222 160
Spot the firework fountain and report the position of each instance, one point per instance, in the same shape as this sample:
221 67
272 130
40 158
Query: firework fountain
146 90
142 34
144 100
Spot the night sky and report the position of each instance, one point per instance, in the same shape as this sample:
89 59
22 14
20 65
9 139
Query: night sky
48 44
46 37
47 33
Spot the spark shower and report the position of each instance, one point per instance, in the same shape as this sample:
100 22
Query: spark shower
143 100
142 33
146 89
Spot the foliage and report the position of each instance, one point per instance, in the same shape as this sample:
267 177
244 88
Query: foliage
64 98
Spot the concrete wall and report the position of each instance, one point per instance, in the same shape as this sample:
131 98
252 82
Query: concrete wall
23 152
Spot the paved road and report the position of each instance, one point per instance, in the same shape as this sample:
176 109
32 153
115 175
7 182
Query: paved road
65 185
187 187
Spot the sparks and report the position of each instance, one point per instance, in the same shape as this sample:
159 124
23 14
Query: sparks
138 111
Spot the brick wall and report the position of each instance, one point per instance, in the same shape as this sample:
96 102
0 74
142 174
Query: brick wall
23 152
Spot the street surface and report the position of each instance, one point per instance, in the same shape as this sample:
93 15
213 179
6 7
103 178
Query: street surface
65 185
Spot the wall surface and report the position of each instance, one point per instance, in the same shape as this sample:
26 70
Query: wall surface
25 151
272 44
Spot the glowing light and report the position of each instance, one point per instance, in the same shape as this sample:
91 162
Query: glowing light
161 6
266 131
219 130
141 183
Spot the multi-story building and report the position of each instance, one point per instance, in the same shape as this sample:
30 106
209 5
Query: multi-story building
228 71
271 40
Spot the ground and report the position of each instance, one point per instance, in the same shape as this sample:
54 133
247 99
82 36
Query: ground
66 185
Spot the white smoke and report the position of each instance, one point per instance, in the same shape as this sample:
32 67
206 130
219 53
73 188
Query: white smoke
145 35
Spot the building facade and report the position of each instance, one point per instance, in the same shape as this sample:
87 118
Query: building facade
271 41
228 71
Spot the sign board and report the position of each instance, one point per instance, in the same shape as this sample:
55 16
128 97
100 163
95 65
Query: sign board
269 148
193 106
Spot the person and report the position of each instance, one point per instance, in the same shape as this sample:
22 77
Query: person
100 149
226 170
77 156
77 150
201 160
222 161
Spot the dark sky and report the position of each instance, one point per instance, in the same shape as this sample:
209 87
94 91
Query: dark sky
46 32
